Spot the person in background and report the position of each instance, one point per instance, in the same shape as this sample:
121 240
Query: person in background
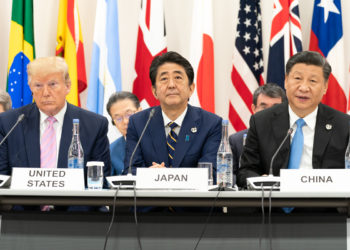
5 101
120 107
48 123
178 135
320 134
264 97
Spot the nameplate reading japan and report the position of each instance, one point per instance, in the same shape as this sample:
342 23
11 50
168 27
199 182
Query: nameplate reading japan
172 178
315 180
47 179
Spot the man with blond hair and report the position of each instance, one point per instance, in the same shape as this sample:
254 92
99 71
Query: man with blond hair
50 113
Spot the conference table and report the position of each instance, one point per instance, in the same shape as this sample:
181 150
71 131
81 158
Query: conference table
320 220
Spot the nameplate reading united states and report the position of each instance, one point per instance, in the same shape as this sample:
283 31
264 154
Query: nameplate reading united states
172 178
315 180
47 179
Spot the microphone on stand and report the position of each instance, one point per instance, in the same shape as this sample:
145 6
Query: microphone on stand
19 119
5 179
270 181
129 180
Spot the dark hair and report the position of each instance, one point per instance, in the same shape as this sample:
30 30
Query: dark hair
310 58
271 90
170 57
119 96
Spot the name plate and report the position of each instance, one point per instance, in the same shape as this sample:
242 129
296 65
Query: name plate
172 178
315 180
47 179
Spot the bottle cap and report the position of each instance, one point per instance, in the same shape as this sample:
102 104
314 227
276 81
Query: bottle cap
224 122
75 120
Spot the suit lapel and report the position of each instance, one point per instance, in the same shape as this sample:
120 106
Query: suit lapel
31 128
280 125
66 138
157 135
190 121
322 135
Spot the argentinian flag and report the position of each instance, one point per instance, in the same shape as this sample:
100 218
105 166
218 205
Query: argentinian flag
105 74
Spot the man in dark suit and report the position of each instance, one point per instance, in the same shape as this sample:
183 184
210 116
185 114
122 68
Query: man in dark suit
50 83
197 132
325 131
264 97
120 106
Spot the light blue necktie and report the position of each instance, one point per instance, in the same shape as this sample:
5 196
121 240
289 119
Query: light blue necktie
296 149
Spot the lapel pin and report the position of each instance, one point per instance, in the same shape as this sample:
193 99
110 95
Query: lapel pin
194 130
328 126
187 138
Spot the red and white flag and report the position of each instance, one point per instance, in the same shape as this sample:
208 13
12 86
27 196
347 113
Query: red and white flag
202 55
327 38
151 41
248 66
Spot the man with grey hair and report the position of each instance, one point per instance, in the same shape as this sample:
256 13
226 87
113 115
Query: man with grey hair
320 133
5 101
264 97
26 146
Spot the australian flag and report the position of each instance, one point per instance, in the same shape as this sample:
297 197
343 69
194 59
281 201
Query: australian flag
285 39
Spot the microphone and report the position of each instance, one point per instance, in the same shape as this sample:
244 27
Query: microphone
129 180
5 179
270 181
19 119
289 132
138 142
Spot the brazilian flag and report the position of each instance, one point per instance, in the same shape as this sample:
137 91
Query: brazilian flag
21 52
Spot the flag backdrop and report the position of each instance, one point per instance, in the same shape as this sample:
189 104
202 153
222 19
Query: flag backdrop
21 52
105 73
151 41
327 38
248 66
70 46
285 39
202 55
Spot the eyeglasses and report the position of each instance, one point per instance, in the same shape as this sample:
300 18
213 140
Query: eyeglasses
120 118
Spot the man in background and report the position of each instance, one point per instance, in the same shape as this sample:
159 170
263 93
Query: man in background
264 97
5 101
120 107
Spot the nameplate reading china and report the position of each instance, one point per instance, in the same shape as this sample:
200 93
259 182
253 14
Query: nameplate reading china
315 180
172 178
47 179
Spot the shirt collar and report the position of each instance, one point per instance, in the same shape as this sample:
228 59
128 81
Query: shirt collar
310 119
59 116
178 120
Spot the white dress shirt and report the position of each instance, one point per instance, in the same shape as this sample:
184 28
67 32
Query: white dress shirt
309 134
178 121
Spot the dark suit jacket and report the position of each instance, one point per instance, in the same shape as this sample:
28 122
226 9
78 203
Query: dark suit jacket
117 149
22 147
198 140
236 144
269 127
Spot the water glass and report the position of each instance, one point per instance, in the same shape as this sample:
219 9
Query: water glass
209 166
95 174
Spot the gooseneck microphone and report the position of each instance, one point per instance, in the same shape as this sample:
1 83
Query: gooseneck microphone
129 181
268 182
289 132
151 113
19 119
